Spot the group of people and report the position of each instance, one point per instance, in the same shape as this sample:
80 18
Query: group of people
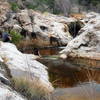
5 36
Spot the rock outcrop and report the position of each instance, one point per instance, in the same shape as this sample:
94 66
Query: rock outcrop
6 92
25 67
48 29
4 9
87 44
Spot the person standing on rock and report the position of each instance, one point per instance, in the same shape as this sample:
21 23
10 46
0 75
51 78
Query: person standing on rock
5 37
0 35
36 52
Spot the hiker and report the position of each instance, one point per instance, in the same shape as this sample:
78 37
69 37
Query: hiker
6 37
0 34
24 32
36 52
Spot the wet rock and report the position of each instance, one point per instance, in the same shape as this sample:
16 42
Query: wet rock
87 44
24 66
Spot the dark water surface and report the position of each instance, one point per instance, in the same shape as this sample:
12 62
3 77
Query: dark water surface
74 78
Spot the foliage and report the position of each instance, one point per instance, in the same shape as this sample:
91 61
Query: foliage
58 6
14 6
31 6
16 37
95 2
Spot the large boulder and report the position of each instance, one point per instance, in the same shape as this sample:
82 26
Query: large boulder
48 29
87 44
25 67
48 25
6 92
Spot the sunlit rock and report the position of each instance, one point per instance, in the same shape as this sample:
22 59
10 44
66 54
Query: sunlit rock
6 93
24 20
24 66
47 26
87 44
4 9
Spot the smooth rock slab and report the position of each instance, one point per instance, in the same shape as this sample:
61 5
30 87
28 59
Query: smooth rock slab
24 66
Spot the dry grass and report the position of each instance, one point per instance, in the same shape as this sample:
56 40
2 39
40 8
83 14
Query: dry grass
29 89
77 16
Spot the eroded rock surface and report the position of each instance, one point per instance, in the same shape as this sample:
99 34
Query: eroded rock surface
48 29
87 44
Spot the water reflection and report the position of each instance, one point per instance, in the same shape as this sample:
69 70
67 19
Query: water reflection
86 91
74 78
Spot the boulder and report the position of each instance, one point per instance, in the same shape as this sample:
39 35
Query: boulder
87 44
46 26
6 92
24 66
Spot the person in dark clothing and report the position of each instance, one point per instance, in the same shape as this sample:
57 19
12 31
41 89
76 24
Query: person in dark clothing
24 32
54 39
36 51
6 37
0 34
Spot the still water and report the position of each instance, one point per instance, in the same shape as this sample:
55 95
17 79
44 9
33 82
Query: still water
74 78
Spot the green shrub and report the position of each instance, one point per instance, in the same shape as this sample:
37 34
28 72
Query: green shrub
14 6
31 6
16 37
